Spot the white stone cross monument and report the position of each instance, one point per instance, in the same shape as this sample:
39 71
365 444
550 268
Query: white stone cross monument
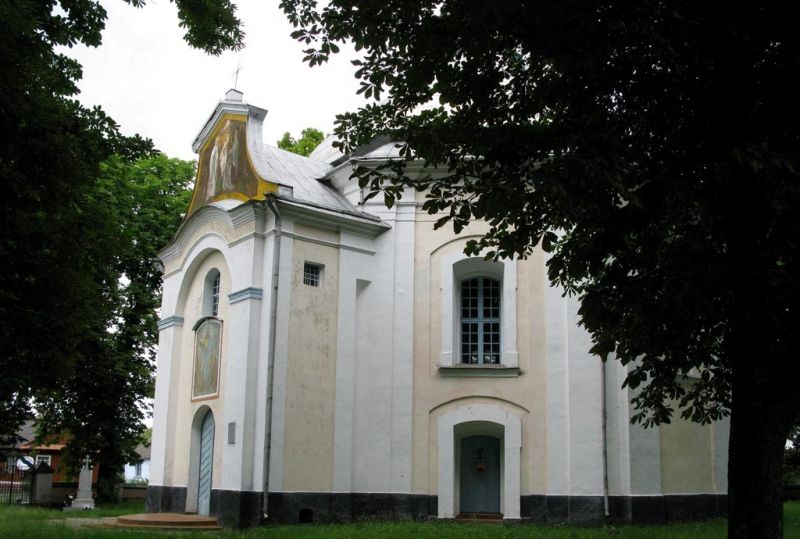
84 499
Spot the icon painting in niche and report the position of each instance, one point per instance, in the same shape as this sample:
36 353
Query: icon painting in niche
206 358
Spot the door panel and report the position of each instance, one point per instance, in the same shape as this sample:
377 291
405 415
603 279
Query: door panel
480 474
206 465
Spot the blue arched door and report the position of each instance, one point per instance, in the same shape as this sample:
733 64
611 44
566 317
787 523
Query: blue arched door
480 474
206 464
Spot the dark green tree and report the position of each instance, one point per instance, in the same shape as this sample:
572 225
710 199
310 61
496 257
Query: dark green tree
309 139
101 403
652 148
59 257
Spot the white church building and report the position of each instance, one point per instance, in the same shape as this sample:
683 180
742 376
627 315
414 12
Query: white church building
322 359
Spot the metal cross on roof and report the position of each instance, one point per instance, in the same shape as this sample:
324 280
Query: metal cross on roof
236 76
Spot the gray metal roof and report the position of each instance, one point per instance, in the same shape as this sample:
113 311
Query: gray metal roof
325 151
304 175
302 179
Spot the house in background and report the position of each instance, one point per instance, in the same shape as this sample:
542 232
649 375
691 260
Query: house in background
49 452
139 471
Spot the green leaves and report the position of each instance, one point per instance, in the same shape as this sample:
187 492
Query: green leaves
548 241
74 220
309 139
133 209
211 26
616 154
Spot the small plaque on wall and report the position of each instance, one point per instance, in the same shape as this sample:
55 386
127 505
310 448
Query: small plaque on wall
231 433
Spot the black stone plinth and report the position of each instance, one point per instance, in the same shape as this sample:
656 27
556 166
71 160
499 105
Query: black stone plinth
541 509
296 507
242 509
161 499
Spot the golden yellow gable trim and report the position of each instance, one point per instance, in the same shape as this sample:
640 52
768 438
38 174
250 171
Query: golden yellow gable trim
263 188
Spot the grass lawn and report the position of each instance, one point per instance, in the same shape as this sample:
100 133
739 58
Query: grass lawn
33 523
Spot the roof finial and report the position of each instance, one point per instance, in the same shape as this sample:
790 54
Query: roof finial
236 76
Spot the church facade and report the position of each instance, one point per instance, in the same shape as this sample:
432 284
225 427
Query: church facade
322 358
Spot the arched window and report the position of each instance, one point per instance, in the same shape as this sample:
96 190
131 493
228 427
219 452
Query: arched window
480 321
479 318
215 296
211 294
208 339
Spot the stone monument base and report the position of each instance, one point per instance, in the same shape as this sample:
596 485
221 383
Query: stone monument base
80 505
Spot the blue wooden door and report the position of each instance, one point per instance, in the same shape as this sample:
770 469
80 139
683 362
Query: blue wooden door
206 464
480 474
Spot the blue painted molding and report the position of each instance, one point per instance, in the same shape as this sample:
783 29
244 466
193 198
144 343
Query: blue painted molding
169 322
246 293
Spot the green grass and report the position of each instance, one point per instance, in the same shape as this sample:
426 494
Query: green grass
33 523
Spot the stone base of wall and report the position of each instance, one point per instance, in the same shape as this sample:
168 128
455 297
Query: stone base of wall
541 509
233 508
301 507
165 499
671 507
237 509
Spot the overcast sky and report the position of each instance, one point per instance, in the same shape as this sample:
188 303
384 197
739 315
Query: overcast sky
152 83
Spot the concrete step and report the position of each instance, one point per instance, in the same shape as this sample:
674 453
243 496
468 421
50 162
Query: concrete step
164 521
481 518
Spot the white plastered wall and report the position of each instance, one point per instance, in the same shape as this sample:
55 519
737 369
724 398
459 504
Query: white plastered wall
679 458
524 391
213 238
202 260
373 403
373 348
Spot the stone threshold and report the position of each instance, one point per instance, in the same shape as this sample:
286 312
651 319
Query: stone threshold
163 521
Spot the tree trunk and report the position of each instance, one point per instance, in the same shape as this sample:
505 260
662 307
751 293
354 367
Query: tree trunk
763 367
107 480
759 428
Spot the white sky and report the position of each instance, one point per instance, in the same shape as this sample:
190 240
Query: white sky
151 82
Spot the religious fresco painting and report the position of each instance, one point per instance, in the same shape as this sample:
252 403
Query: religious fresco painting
224 168
206 358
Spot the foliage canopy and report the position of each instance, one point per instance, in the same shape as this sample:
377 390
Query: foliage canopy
645 141
135 210
309 139
651 148
78 212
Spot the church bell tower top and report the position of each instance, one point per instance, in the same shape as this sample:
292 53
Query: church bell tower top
225 146
234 95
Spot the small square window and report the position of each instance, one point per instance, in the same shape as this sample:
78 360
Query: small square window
312 274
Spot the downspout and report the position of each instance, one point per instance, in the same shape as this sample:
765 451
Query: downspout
605 440
273 323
